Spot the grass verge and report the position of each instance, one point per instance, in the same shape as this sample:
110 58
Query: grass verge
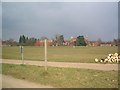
63 77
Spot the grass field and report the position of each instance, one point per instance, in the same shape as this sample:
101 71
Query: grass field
64 54
63 77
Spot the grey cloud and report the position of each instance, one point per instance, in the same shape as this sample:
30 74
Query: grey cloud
96 20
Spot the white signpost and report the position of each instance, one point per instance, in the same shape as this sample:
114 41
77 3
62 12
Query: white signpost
22 55
45 54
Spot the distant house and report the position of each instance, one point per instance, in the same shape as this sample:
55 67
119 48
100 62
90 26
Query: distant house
38 43
73 41
106 44
94 43
50 42
41 43
66 43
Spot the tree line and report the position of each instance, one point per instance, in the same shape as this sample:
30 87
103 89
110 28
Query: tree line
25 41
57 41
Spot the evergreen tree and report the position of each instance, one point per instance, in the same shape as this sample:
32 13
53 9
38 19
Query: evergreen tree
61 39
20 39
26 38
80 41
23 39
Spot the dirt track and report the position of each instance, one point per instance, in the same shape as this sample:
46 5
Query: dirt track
105 67
10 82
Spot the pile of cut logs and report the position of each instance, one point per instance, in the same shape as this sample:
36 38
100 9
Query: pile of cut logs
111 58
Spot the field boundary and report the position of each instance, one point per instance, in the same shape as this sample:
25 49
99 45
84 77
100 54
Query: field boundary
103 67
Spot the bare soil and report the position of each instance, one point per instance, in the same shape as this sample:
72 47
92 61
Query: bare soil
10 82
95 66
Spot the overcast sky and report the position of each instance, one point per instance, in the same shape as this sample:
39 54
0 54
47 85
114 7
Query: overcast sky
0 21
95 20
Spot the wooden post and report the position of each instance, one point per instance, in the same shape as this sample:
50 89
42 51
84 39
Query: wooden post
22 55
45 54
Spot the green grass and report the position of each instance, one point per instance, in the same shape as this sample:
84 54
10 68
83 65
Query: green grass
62 54
0 68
63 77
